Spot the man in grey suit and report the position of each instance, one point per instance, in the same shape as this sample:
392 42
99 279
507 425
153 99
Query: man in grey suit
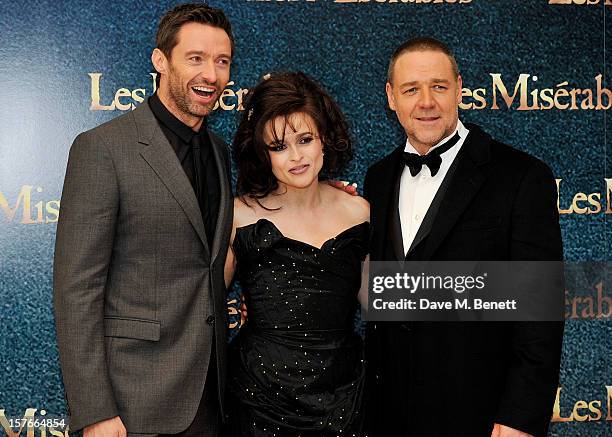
142 237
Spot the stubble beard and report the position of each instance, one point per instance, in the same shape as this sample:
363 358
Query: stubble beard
428 139
180 98
424 140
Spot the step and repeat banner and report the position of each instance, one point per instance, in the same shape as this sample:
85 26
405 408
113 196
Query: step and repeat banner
534 76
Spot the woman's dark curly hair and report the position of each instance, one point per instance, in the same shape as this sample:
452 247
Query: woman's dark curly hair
283 95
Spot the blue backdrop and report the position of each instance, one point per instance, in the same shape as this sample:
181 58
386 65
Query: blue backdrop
534 74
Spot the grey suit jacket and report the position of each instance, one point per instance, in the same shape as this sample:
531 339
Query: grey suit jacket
139 296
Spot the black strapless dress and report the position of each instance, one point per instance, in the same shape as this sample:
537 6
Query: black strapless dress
296 367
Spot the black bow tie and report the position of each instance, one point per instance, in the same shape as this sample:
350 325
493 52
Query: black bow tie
432 159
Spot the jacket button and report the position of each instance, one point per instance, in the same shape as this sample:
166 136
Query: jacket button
210 320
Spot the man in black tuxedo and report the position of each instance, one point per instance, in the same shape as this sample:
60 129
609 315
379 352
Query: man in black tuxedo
475 199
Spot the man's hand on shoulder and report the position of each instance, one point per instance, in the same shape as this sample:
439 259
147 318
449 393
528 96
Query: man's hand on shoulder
345 186
506 431
106 428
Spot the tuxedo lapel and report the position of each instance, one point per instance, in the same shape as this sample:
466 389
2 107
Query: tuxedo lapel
395 224
462 187
392 220
158 153
383 196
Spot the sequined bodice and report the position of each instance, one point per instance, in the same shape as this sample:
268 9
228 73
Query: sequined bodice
295 286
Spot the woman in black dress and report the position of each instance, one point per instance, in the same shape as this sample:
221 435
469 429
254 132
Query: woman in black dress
296 367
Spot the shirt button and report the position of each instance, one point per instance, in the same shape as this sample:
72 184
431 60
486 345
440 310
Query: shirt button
210 320
417 217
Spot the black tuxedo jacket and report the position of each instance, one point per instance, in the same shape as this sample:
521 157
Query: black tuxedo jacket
430 379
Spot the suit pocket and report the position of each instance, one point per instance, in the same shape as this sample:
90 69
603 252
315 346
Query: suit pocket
139 329
478 224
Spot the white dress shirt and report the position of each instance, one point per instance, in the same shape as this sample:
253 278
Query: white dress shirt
417 192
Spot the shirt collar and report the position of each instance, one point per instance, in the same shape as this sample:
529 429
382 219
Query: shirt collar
460 129
164 116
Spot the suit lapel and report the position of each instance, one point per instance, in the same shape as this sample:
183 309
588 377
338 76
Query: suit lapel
225 197
161 157
463 186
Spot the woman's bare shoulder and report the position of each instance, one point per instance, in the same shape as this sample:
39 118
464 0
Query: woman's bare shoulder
245 211
355 206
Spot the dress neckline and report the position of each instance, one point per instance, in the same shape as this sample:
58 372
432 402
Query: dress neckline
281 235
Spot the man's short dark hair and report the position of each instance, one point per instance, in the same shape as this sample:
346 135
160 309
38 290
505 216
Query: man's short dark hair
421 44
172 21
